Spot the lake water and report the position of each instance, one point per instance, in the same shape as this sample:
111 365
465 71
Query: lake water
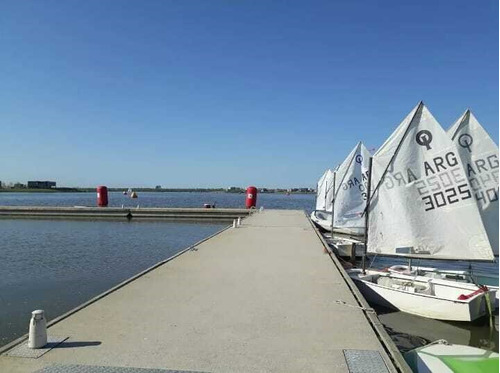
58 264
161 199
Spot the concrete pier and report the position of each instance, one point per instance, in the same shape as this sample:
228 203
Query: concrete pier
208 214
263 297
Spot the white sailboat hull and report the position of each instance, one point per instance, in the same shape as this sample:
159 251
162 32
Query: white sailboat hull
344 248
421 296
323 220
445 274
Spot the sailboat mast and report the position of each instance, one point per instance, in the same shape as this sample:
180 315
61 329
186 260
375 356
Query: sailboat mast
333 199
367 209
326 193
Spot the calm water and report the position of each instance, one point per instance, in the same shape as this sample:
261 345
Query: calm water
160 199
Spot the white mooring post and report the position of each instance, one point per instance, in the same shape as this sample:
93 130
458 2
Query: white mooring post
239 221
234 223
38 330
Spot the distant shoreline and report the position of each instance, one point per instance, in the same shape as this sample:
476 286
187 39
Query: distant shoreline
163 190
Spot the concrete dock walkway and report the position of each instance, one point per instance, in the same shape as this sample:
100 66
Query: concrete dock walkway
261 297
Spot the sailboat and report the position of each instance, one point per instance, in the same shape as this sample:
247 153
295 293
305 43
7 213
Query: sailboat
320 215
462 276
346 197
420 205
349 198
479 156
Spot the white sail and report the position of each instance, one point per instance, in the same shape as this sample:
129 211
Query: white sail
421 204
321 191
479 155
350 189
330 180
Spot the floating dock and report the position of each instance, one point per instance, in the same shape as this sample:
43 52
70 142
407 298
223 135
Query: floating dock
195 214
266 296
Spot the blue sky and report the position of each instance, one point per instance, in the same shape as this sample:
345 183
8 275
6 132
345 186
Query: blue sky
217 93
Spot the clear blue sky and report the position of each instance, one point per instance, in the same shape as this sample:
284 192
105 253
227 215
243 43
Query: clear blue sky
217 93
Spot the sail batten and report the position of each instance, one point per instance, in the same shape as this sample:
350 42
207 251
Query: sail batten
421 204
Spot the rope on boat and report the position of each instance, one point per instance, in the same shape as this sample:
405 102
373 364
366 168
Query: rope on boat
373 261
486 296
341 302
439 342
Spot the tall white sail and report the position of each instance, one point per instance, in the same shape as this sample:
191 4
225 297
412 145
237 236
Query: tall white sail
350 189
479 155
422 205
321 191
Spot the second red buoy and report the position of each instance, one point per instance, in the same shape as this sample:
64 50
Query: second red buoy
251 200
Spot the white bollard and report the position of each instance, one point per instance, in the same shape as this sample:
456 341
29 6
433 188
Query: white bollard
38 330
261 208
239 221
234 223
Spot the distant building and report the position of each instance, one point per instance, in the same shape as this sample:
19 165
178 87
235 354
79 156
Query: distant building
41 184
234 190
304 190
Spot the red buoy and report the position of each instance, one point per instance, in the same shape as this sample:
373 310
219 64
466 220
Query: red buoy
251 200
102 196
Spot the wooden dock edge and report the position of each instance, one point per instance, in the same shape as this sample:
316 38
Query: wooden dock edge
389 346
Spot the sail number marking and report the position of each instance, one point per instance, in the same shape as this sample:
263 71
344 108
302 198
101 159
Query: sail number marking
447 197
